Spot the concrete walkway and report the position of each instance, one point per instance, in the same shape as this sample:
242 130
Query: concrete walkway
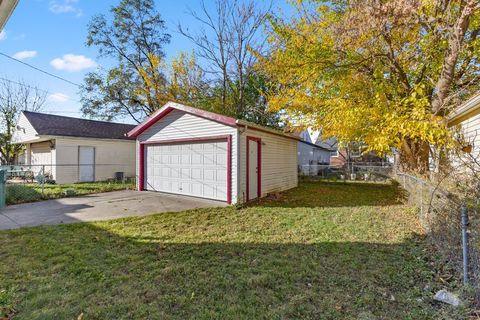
100 206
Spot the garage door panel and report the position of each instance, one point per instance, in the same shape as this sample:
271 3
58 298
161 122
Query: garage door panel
221 175
197 169
209 159
197 159
174 172
221 158
209 175
197 189
196 174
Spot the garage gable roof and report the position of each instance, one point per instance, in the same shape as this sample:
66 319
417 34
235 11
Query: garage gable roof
53 125
226 120
170 106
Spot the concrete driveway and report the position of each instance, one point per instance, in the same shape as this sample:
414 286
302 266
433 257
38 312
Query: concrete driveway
100 206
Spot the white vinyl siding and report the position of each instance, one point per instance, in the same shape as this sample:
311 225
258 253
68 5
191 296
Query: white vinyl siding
42 157
181 125
278 162
110 156
471 133
24 131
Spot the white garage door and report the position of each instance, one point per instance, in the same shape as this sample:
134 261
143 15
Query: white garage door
194 169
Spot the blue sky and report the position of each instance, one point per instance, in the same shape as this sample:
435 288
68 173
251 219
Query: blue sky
50 34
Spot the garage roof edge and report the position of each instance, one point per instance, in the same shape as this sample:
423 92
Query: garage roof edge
226 120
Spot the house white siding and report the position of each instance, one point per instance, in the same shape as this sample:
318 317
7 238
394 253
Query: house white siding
470 128
24 131
278 162
308 154
181 125
42 157
110 156
309 157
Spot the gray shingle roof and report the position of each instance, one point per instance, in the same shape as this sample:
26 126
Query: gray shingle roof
53 125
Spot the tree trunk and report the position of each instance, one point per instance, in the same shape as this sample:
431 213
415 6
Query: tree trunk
414 157
455 42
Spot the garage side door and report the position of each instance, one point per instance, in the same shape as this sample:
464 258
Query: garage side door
194 169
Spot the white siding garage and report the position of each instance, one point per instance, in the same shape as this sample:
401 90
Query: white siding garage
190 168
184 150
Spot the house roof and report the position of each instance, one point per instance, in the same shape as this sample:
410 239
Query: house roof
226 120
315 145
465 111
53 125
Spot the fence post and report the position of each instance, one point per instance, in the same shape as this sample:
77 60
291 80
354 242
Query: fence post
3 188
43 179
464 213
421 199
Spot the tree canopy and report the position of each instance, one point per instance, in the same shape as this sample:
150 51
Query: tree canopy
133 34
385 73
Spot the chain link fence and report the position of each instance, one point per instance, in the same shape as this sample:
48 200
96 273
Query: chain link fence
29 183
349 171
440 213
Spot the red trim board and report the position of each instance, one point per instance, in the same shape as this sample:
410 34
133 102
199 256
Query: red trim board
259 161
182 140
141 169
228 138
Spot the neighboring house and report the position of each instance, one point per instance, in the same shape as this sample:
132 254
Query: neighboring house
188 151
467 119
75 150
310 155
6 9
354 153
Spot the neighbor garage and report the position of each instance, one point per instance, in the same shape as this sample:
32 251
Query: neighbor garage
188 151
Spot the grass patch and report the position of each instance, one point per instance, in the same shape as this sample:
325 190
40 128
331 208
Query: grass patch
21 193
309 255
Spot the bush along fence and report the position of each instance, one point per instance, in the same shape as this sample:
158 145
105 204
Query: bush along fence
41 182
452 225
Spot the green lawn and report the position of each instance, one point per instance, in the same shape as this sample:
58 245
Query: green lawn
21 193
321 251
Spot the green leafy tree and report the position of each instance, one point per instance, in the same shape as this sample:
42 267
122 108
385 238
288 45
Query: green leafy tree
131 37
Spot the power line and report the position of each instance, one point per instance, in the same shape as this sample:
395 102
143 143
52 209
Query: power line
25 85
38 69
36 88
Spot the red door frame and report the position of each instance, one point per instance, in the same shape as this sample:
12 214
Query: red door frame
259 163
228 138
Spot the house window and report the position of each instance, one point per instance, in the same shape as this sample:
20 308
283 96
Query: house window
334 153
356 150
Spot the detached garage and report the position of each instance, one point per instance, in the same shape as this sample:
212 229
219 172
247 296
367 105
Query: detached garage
188 151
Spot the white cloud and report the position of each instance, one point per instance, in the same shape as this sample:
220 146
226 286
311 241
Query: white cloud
25 54
71 62
58 97
3 35
65 6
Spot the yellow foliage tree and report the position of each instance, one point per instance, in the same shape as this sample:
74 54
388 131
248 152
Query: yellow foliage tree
380 72
184 82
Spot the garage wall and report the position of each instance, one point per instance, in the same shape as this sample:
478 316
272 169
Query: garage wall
181 125
278 166
110 156
41 154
